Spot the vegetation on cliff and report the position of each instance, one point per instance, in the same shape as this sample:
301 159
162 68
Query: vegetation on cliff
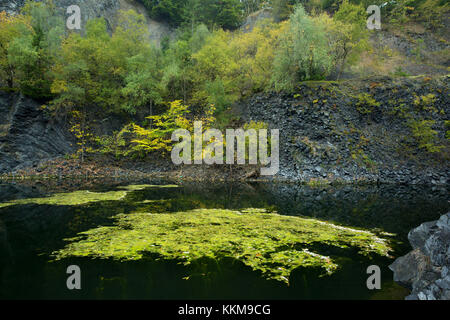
207 66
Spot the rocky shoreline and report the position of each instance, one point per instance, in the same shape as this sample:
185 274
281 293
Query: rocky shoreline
426 269
101 167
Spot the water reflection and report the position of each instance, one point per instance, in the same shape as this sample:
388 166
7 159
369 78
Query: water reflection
29 232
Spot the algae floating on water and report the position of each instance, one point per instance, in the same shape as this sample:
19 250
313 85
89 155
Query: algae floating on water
270 243
83 196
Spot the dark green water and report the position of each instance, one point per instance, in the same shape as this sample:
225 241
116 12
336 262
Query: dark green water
30 232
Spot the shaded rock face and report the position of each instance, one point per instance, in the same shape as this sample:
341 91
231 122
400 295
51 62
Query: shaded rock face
27 135
426 269
157 30
324 134
253 19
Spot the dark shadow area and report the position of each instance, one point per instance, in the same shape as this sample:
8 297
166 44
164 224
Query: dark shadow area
29 233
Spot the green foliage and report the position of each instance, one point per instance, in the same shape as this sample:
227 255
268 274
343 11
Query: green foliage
80 129
159 136
11 28
95 72
114 144
426 102
282 9
366 103
32 54
425 136
303 52
221 13
399 72
143 81
428 12
447 126
348 34
232 66
104 72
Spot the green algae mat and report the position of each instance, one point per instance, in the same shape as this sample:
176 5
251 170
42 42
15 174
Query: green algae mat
267 242
83 196
144 240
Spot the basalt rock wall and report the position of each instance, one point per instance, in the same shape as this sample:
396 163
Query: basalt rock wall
376 130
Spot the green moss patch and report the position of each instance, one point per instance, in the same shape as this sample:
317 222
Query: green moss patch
266 242
83 196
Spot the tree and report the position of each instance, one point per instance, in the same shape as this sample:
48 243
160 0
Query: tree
214 71
103 72
221 13
282 9
140 62
348 34
159 137
143 86
32 54
11 27
80 129
254 54
303 53
82 79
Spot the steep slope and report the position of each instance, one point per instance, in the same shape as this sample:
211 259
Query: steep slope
27 135
360 130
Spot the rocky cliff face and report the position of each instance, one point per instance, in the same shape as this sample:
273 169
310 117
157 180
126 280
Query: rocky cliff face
11 6
27 134
426 269
357 130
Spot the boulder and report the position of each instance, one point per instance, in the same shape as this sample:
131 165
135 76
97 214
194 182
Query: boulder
425 270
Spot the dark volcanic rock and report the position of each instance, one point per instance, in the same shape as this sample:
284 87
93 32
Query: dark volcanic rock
426 269
325 135
27 135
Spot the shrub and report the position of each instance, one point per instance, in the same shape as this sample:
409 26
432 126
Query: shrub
303 52
366 103
424 134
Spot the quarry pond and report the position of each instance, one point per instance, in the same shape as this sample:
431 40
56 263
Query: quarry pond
159 240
